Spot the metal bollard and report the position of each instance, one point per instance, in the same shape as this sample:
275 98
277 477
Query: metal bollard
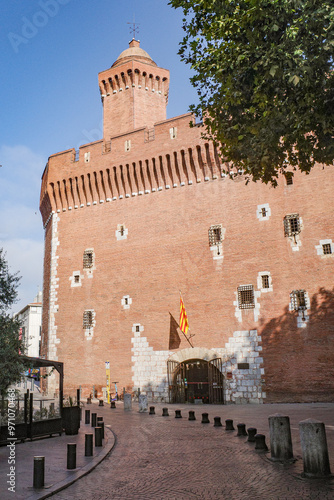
178 414
229 425
205 418
152 410
251 434
71 455
101 424
98 436
260 442
280 438
217 422
87 416
101 402
165 412
241 430
94 419
39 468
88 445
191 415
112 404
314 448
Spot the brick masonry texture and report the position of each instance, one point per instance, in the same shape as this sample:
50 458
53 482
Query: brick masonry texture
167 190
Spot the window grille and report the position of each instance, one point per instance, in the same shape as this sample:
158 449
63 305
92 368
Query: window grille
291 225
88 259
121 230
77 278
265 281
137 328
326 248
263 212
298 300
246 297
87 319
215 235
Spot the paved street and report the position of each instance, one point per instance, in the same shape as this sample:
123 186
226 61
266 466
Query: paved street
166 458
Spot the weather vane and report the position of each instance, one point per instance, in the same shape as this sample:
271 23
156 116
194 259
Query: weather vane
134 29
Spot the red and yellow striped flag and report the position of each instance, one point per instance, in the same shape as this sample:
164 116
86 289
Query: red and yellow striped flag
183 318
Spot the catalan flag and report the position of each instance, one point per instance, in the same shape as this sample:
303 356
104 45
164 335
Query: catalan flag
183 318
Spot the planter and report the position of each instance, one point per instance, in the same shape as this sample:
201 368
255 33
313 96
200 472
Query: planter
71 419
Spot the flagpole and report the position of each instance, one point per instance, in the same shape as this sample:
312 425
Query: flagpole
188 337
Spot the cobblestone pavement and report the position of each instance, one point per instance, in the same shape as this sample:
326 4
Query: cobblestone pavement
166 458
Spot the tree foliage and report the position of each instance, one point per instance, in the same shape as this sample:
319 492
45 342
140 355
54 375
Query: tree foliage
11 346
263 70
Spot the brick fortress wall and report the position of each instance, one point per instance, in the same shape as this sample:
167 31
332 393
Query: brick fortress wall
143 210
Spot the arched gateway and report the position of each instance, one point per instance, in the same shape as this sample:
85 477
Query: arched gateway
195 374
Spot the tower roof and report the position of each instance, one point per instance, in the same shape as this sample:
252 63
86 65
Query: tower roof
134 52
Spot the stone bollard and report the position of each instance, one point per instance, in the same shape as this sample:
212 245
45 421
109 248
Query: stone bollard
314 448
142 400
101 402
178 414
229 425
165 412
94 419
127 402
39 472
98 436
251 434
205 418
260 442
87 416
152 410
280 438
71 455
217 422
88 445
191 415
241 430
112 404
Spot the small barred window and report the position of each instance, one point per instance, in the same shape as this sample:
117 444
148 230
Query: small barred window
88 259
292 225
265 281
215 235
87 319
173 132
77 278
263 212
327 249
246 297
289 178
298 300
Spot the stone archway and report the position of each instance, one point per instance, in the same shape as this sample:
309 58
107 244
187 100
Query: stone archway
194 375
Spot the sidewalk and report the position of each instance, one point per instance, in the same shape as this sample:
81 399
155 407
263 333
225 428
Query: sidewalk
54 449
162 458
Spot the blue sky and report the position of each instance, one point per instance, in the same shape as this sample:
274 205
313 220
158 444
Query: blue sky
51 54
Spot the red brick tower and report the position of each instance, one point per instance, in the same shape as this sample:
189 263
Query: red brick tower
134 92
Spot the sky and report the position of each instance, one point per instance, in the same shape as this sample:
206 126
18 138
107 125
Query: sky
51 54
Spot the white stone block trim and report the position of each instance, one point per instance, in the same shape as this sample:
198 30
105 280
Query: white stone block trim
121 232
259 282
263 211
53 294
126 301
74 281
320 249
149 367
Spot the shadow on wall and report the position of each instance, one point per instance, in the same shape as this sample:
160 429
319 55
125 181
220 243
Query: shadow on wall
299 362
